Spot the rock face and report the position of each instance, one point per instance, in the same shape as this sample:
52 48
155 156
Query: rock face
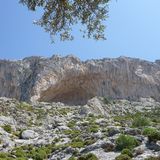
69 80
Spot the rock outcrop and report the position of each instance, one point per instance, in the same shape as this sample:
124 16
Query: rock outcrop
69 80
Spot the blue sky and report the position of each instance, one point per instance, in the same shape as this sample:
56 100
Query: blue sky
133 29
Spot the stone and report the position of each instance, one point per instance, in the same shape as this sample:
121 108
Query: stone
108 146
139 150
101 155
7 120
153 146
62 128
113 130
132 131
29 134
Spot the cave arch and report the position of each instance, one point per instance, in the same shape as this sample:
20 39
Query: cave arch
75 90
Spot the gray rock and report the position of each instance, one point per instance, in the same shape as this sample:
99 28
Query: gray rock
108 146
105 155
63 128
132 131
113 130
29 134
139 150
153 146
7 120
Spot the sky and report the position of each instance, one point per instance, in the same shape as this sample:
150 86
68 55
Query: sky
133 30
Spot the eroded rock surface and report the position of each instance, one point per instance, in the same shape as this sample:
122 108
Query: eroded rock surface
69 80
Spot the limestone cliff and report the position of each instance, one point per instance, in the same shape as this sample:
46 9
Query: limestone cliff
69 80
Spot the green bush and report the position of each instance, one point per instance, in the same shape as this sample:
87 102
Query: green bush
7 128
21 158
72 133
77 143
152 133
154 136
126 141
93 128
71 124
127 152
3 155
89 141
72 158
19 152
140 121
148 131
89 156
38 153
123 157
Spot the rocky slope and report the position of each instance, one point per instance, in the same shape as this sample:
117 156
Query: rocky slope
69 80
55 131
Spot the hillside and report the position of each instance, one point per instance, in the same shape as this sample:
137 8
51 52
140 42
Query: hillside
55 131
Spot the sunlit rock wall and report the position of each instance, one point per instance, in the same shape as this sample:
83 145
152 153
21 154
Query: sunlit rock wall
69 80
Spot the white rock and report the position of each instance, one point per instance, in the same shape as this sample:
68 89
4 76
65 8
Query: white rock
29 134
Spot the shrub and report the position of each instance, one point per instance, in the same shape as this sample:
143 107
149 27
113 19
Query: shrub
89 141
19 152
71 124
126 141
3 155
93 128
72 158
154 136
152 133
140 121
89 156
148 131
38 153
7 128
123 157
127 152
77 143
72 133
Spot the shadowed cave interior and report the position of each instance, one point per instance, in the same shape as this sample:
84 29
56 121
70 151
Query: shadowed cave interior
73 90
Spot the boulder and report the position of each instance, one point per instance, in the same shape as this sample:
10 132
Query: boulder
29 134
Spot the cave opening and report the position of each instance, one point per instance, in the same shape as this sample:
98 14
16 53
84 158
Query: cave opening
72 91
